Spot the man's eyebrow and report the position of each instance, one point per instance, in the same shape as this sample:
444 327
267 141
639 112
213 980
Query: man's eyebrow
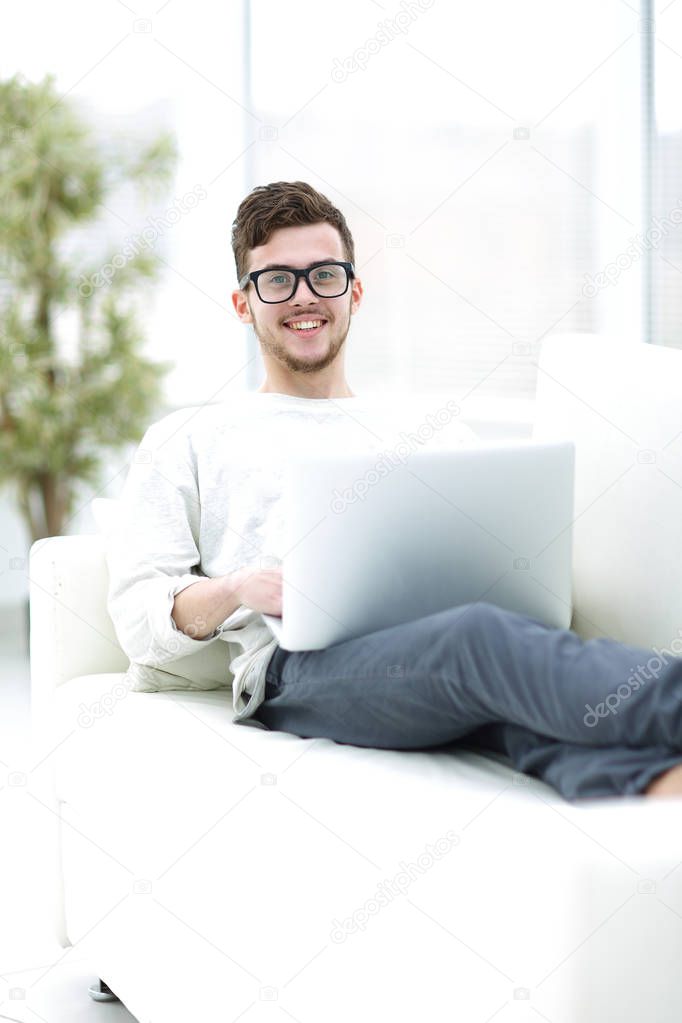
282 266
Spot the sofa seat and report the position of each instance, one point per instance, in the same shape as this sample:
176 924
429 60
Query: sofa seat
340 882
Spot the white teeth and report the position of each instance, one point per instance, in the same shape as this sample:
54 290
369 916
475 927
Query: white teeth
305 325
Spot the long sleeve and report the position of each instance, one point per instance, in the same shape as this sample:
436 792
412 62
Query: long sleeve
152 551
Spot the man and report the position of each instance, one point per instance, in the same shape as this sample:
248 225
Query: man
477 673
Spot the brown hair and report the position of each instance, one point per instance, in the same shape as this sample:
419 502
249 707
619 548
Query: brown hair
283 204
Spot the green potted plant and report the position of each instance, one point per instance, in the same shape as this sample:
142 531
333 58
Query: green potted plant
59 414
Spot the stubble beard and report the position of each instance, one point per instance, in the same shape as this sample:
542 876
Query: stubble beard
279 351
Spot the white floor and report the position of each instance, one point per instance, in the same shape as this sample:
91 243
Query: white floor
39 980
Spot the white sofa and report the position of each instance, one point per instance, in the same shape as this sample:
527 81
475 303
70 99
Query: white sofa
216 872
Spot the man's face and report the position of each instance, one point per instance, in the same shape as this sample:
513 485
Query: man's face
299 247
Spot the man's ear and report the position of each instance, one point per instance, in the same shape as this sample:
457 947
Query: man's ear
241 306
356 295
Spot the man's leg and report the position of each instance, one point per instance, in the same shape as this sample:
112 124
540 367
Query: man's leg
582 772
438 678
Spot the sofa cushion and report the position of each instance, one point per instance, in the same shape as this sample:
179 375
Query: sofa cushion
619 402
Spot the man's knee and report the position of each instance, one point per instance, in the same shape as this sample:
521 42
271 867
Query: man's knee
477 622
479 613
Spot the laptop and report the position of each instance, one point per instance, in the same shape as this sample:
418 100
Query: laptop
368 549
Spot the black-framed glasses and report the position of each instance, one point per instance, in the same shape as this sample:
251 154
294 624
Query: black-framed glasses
278 284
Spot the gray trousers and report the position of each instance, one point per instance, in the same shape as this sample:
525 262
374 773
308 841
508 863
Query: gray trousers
590 717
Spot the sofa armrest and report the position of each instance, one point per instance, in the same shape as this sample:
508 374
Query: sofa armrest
71 633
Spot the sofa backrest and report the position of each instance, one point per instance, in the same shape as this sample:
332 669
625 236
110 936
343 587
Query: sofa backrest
621 403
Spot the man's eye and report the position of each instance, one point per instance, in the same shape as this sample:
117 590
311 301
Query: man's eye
323 276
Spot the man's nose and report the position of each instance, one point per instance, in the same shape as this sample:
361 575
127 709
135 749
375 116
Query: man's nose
306 295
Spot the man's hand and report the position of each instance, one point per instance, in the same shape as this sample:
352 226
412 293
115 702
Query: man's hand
200 608
260 590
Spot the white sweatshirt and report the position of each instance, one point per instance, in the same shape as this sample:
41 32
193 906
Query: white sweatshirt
203 497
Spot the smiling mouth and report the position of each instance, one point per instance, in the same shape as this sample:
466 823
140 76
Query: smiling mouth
306 328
